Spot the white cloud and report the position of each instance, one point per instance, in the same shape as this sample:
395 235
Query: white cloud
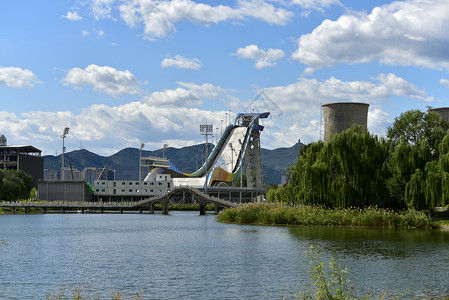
316 4
263 58
105 79
295 108
85 33
444 82
100 33
73 16
112 127
408 33
17 77
102 9
159 17
181 62
189 94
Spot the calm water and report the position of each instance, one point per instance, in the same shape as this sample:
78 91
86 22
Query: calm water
187 256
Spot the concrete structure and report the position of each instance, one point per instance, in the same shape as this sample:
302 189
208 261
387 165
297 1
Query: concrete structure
129 190
64 191
341 116
3 140
442 111
90 174
26 158
146 204
50 175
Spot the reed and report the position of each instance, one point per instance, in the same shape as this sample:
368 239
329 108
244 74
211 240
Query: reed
280 214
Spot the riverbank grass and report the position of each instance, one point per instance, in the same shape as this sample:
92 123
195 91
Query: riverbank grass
280 214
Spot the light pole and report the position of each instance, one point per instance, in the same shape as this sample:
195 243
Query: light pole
206 130
221 127
63 136
140 161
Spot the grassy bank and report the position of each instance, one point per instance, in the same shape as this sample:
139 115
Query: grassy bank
279 214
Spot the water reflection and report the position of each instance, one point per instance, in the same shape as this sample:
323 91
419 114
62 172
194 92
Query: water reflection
373 243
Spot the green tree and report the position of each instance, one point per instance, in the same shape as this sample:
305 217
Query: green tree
350 170
15 184
414 125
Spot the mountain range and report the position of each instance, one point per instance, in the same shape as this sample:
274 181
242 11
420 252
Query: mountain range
188 159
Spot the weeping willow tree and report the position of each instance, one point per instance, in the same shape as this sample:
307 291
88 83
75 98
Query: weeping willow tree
350 170
428 186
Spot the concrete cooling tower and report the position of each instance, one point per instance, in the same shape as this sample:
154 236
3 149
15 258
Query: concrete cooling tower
341 116
443 112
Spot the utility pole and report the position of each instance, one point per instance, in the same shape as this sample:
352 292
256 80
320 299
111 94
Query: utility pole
206 129
63 136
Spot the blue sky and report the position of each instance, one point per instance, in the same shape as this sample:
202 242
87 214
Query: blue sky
120 73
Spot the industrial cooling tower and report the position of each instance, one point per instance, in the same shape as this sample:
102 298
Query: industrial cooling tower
341 116
443 112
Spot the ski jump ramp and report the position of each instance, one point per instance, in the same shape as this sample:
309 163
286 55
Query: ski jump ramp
240 141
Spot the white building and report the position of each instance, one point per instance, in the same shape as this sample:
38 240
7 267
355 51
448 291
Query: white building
132 190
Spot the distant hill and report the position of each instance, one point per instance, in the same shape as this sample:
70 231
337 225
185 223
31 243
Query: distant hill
187 159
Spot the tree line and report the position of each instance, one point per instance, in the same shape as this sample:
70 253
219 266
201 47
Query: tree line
15 184
408 168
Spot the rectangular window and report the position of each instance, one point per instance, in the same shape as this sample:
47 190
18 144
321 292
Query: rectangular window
102 190
115 192
115 183
130 183
123 183
123 190
145 183
130 190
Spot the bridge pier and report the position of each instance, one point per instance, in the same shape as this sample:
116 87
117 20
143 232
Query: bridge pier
165 208
13 210
140 210
217 209
202 209
121 210
27 210
44 210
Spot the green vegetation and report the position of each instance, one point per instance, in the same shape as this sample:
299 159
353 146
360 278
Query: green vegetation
409 169
77 293
332 282
281 214
15 184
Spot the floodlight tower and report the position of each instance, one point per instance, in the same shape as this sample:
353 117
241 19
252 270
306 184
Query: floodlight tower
206 129
140 161
63 136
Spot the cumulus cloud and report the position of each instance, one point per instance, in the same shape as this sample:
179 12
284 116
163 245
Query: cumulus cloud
181 62
17 77
159 17
73 16
408 33
104 79
189 94
296 107
109 128
263 58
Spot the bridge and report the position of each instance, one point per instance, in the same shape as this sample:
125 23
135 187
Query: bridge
148 204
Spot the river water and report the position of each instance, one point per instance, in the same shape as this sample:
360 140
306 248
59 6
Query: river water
187 256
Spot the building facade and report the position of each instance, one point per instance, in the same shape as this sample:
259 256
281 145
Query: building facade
26 158
131 190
